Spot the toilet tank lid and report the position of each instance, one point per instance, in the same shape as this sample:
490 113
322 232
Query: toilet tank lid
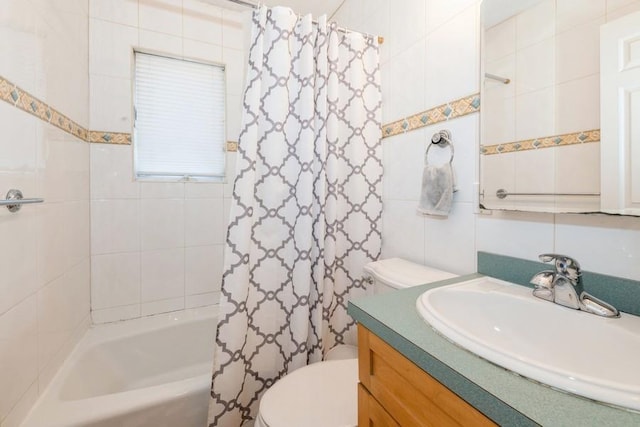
400 273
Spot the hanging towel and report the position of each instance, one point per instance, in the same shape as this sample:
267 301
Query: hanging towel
437 190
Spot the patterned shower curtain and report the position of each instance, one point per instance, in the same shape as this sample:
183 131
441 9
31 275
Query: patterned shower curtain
306 210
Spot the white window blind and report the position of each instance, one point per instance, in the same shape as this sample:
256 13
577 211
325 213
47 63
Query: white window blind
179 127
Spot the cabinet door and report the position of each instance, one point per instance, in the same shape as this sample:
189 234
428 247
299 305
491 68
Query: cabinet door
408 394
620 115
371 413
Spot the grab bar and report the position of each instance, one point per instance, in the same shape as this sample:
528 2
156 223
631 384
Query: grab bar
14 200
498 78
502 194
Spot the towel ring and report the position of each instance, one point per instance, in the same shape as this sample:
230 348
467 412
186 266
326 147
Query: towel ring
442 139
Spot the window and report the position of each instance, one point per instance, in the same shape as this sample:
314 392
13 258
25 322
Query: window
179 122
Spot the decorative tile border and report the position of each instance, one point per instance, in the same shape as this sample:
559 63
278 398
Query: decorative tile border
23 100
100 137
583 137
231 147
451 110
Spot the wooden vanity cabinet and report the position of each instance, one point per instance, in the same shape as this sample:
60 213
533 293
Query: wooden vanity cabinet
393 391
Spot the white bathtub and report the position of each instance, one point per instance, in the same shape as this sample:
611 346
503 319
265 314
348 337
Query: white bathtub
154 371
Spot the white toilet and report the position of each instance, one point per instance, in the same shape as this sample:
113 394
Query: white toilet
325 394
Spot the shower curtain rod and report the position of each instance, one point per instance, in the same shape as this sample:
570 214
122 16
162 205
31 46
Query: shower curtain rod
253 5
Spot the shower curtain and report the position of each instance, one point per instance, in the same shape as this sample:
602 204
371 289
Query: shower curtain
306 210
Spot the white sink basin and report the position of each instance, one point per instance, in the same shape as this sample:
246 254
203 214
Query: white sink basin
570 350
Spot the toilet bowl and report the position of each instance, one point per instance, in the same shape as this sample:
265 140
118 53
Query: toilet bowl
325 394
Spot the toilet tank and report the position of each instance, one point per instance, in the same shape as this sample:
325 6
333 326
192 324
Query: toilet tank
396 273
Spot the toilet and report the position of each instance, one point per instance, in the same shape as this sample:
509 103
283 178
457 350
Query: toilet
325 394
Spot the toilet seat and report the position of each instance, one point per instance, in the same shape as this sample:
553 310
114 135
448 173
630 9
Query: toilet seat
323 394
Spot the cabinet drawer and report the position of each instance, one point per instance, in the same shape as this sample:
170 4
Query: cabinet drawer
407 393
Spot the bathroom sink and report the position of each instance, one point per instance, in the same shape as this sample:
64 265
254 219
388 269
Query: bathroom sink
567 349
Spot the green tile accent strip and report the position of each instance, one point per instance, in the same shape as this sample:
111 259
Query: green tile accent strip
582 137
450 110
624 294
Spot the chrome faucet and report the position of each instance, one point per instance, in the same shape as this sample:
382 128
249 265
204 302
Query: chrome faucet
564 286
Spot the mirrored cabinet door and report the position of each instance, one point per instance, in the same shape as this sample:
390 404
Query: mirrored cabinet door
541 136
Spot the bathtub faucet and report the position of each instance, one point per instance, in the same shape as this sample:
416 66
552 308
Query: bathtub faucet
564 286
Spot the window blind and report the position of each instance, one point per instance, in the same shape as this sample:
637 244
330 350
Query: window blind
179 128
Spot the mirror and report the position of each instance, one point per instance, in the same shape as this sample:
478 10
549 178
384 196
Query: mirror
540 139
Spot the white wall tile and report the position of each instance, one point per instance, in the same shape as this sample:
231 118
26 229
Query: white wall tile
408 71
19 130
112 172
601 243
535 67
619 8
161 43
234 28
577 105
572 62
51 259
161 224
203 219
62 305
585 179
234 61
115 314
203 269
202 21
202 300
497 172
449 77
110 106
406 24
161 190
570 13
535 114
163 16
534 170
19 275
115 226
22 407
120 11
402 231
233 119
115 280
439 12
535 24
18 352
519 234
162 274
163 306
404 162
500 40
458 255
201 190
201 51
111 48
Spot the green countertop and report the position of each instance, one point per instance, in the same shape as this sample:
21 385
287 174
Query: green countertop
505 397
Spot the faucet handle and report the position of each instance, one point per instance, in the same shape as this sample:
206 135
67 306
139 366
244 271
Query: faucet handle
565 265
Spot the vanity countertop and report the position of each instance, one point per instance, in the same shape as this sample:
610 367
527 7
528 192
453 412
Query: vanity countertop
505 397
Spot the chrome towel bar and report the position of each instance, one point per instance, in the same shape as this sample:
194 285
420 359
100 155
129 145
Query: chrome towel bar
14 200
502 194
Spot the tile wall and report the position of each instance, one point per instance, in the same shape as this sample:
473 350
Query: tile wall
44 249
155 247
419 72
